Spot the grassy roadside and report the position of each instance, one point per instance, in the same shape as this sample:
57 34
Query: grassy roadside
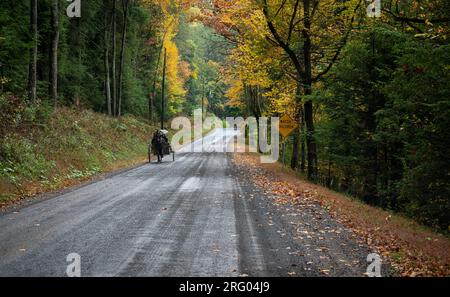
414 250
69 147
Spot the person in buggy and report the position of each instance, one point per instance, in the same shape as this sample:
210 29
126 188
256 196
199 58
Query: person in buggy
159 140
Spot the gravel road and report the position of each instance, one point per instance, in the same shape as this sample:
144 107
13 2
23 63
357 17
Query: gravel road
197 216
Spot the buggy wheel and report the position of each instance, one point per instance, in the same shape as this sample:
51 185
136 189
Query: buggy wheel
173 156
149 155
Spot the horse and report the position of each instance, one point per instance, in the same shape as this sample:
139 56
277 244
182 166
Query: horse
158 142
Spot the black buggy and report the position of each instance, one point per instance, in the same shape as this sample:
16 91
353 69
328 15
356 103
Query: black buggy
160 146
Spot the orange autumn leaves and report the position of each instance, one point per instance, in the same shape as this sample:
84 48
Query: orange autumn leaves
177 70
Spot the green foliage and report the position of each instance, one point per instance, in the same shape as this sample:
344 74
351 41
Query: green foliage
205 52
19 160
14 45
384 132
81 71
419 106
70 145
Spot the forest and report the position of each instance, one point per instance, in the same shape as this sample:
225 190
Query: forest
367 84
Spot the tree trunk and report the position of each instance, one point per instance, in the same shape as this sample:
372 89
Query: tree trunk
295 143
295 154
302 142
308 106
255 107
32 75
153 93
163 87
54 53
114 82
78 46
106 62
125 5
370 194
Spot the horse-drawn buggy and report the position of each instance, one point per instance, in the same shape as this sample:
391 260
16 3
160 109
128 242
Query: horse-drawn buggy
160 146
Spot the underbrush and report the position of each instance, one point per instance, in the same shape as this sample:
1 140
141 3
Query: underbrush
42 149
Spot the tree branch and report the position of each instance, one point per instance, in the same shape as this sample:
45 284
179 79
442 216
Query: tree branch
281 42
415 20
280 8
291 22
338 51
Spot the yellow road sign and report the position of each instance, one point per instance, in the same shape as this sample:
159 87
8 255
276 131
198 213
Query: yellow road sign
287 125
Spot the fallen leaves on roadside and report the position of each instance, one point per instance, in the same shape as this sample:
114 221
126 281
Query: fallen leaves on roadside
325 271
384 238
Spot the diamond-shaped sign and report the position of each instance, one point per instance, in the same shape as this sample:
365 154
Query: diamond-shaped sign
287 125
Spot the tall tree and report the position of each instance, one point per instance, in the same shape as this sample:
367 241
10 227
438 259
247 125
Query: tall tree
125 6
114 81
299 64
283 21
32 72
54 53
307 84
106 34
153 92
